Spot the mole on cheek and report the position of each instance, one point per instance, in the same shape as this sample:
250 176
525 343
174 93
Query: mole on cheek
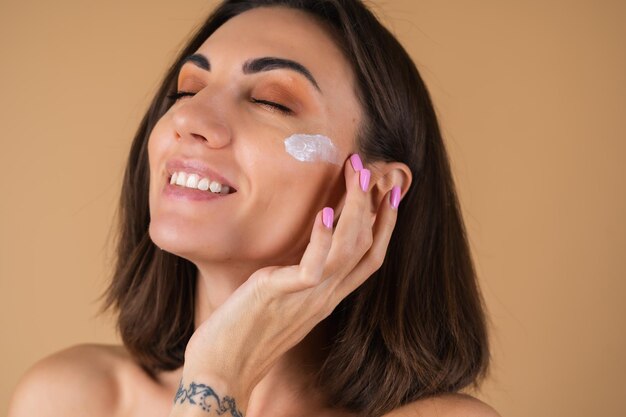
312 148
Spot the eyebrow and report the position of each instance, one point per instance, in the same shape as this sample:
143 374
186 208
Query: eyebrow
253 66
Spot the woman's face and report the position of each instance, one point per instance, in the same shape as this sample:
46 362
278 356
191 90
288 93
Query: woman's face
224 126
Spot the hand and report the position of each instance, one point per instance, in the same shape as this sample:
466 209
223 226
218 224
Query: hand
278 306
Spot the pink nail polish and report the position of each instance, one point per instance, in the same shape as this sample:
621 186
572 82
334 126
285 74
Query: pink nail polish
364 177
394 198
328 215
355 160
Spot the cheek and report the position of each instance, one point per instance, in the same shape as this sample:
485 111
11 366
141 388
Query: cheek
157 148
284 217
286 195
158 144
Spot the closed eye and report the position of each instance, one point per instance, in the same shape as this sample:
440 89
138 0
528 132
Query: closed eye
275 106
270 104
175 96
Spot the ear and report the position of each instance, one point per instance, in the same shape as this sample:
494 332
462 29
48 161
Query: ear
384 176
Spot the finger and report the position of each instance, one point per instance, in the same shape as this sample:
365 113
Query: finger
353 236
373 259
309 271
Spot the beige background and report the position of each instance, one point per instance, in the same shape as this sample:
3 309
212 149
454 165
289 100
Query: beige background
532 99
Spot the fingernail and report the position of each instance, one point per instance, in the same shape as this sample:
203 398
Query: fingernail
355 160
364 177
394 198
327 217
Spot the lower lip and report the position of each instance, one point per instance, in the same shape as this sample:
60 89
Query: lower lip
177 191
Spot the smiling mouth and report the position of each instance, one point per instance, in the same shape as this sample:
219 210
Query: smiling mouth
196 183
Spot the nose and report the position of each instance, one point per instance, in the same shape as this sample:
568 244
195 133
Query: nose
201 119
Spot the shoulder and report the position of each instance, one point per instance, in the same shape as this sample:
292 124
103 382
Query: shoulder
68 382
446 405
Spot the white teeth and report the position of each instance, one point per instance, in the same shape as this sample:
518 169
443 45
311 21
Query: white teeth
203 184
192 181
215 187
182 178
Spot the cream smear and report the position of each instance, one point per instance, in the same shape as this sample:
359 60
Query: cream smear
312 148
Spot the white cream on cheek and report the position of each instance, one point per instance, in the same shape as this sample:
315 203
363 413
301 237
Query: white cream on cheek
312 148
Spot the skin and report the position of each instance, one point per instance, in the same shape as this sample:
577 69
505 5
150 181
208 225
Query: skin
273 269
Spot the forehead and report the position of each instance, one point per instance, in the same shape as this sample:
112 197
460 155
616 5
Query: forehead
284 33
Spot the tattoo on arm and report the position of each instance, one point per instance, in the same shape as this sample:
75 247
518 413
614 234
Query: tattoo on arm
203 396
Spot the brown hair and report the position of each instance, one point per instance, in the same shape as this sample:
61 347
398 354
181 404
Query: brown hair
416 327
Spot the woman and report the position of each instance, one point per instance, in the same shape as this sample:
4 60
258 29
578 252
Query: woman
264 265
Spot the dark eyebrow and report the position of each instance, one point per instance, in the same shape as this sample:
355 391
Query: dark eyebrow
270 63
199 60
253 66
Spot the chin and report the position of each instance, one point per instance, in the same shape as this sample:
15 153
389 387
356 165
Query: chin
216 241
185 240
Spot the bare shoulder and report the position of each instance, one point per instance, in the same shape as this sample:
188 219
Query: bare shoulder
447 405
68 382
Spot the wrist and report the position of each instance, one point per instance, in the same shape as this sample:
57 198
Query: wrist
205 393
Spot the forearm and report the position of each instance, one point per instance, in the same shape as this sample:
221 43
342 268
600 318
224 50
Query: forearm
206 397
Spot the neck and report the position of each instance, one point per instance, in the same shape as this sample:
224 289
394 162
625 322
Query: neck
288 387
214 287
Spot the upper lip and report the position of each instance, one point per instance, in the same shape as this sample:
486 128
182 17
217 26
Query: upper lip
195 166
